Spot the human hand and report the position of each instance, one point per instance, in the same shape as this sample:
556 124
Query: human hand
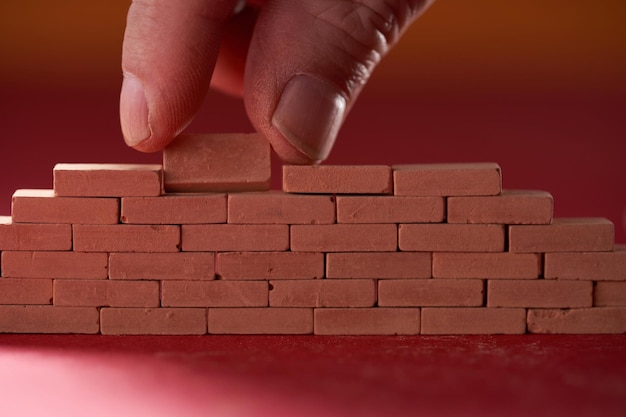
299 65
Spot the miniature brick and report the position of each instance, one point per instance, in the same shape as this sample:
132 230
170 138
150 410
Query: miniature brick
473 321
451 237
175 209
36 237
48 319
367 321
270 265
596 320
430 292
77 265
609 294
25 291
235 237
126 238
539 293
162 266
605 266
563 235
217 162
344 238
105 293
261 320
41 206
456 179
337 179
276 207
379 265
107 180
494 265
510 207
214 293
390 209
323 293
157 321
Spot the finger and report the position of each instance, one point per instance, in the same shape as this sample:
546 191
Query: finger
307 63
169 52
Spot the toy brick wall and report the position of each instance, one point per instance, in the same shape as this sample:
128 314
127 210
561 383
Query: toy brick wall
199 245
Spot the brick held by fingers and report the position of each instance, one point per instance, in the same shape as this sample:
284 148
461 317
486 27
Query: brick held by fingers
108 180
217 163
337 179
42 206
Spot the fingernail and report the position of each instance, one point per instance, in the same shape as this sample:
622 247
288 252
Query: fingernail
134 111
309 114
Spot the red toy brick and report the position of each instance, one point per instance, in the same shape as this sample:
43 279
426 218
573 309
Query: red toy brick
77 265
609 294
157 321
510 207
451 237
214 293
367 321
337 179
261 320
430 292
126 238
34 237
344 238
162 266
217 162
390 209
42 206
107 180
276 207
441 321
323 293
605 266
106 293
25 291
539 293
494 265
378 265
596 320
456 179
235 237
48 319
270 265
175 209
563 235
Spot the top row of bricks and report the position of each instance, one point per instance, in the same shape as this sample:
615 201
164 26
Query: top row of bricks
241 162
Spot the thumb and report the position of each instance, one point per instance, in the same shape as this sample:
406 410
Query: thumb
169 52
307 63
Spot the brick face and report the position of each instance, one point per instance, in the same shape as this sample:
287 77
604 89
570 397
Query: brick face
106 293
66 264
323 293
344 238
510 207
157 321
379 265
503 265
430 292
277 207
473 321
34 237
235 237
335 179
447 179
367 321
48 319
214 293
390 209
605 266
539 293
270 265
451 237
126 238
597 320
175 209
162 266
261 320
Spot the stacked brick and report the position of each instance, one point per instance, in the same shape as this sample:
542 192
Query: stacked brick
341 250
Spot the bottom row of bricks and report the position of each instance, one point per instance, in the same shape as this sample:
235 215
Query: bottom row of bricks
324 321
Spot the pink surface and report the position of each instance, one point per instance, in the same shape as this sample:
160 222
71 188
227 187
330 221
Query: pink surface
313 376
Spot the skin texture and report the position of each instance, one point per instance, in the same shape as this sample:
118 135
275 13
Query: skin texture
284 57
